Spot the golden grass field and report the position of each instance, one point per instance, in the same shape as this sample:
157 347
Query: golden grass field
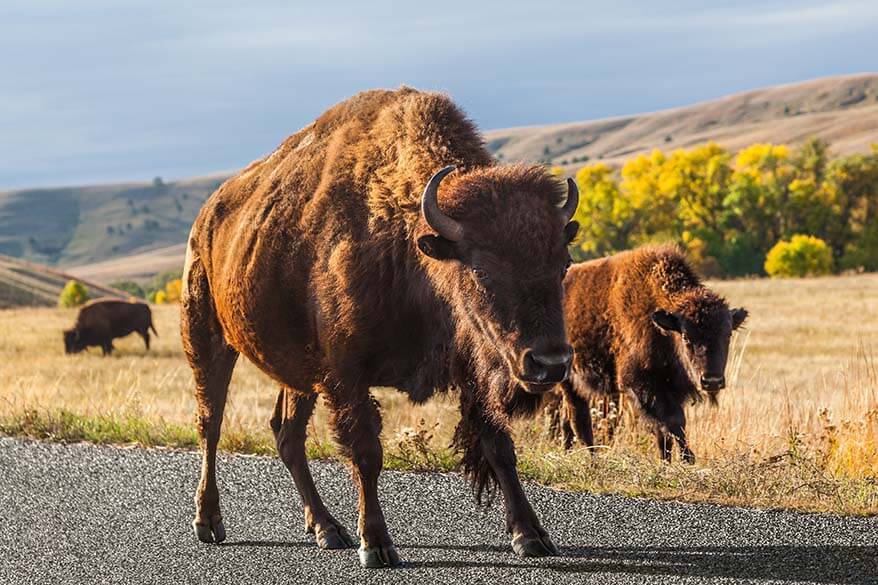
797 427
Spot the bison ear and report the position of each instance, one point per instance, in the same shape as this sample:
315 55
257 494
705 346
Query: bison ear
437 247
666 321
570 231
739 315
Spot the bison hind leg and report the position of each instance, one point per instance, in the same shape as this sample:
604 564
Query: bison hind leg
212 361
144 333
292 411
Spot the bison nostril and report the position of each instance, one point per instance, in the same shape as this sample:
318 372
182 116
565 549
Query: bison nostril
555 358
713 382
547 367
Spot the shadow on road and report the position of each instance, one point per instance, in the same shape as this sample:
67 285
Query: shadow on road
845 565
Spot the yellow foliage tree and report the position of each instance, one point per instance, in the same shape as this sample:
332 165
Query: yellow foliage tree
73 294
161 298
172 290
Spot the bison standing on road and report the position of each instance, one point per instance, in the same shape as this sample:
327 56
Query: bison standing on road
101 321
642 322
344 260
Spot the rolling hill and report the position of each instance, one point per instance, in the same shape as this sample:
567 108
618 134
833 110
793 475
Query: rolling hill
80 225
842 110
25 283
134 230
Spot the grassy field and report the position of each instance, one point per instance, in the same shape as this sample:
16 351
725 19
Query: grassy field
797 427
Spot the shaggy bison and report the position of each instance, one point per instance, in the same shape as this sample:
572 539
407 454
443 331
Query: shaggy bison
642 322
101 321
344 260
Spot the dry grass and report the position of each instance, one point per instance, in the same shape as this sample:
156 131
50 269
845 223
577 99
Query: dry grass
798 426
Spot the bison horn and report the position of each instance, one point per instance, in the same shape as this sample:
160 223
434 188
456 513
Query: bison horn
572 202
445 226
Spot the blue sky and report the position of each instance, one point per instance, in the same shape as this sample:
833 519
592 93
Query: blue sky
98 91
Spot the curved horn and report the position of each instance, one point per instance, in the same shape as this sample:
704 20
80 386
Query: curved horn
569 207
444 225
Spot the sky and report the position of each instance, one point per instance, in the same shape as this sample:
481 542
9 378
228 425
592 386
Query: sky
102 91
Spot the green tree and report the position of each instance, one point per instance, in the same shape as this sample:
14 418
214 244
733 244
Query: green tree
131 287
73 294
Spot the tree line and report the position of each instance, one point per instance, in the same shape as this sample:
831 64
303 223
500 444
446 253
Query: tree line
814 213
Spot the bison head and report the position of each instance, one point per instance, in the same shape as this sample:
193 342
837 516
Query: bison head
704 323
72 341
499 256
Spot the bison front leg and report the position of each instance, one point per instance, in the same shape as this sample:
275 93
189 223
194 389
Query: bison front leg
577 412
289 423
357 425
489 458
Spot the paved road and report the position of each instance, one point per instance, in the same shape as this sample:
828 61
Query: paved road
85 514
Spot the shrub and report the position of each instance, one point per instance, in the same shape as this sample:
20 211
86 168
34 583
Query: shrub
131 287
73 294
160 297
800 256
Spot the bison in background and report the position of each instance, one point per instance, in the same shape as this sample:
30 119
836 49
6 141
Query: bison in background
643 323
344 260
101 321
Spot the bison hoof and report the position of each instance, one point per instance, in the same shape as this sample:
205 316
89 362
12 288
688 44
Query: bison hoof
333 537
215 532
534 546
378 557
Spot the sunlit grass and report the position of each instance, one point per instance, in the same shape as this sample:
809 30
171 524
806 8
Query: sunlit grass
797 427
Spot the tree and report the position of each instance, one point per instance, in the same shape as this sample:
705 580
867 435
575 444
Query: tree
73 294
131 287
604 216
800 256
172 290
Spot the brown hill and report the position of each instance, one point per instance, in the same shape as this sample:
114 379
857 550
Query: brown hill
842 110
29 284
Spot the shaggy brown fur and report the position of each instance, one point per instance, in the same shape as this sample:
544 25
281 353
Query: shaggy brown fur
317 265
101 321
642 322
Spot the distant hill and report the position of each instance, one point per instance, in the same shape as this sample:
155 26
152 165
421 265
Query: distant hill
29 284
110 232
80 225
842 110
137 267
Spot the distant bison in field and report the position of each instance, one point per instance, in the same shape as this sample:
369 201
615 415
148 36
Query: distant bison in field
643 323
101 321
353 256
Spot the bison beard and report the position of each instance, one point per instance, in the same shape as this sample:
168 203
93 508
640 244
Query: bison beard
354 256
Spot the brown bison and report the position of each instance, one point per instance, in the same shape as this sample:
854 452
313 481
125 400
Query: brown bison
642 322
101 321
344 260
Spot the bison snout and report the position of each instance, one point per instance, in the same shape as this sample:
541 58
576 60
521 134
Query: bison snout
713 383
541 369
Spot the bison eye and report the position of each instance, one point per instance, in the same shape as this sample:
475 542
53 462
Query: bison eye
480 275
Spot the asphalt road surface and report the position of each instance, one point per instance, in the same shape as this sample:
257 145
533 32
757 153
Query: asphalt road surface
86 514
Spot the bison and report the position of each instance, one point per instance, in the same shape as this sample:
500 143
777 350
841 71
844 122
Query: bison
101 321
643 323
355 256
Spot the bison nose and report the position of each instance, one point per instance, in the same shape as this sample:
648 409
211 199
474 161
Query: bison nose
713 382
547 367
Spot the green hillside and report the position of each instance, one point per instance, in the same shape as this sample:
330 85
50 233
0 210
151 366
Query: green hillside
81 225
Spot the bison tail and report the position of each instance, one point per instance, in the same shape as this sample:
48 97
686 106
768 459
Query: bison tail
152 327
